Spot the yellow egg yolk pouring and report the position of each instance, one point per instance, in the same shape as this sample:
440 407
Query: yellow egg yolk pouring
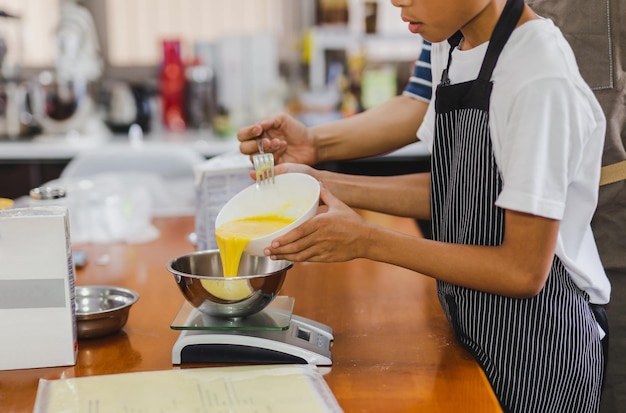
232 239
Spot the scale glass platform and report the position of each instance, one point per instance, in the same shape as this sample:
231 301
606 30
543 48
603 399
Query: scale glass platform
274 335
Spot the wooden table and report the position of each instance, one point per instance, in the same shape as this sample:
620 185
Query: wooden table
393 348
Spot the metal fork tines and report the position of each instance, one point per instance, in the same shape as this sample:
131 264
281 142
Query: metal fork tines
263 165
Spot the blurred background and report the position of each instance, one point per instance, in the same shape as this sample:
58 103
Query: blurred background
78 74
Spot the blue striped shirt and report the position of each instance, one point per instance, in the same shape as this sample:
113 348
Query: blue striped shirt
420 84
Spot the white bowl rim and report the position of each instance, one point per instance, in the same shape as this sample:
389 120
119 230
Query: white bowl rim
254 246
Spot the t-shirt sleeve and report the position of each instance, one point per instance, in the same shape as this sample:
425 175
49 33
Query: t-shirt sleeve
542 153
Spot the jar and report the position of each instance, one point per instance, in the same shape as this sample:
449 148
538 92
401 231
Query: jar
47 196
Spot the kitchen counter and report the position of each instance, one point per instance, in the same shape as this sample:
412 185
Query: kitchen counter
30 162
65 147
393 349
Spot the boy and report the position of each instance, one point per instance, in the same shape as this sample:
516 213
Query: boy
516 139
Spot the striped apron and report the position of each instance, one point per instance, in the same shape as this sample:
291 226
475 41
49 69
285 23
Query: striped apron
540 354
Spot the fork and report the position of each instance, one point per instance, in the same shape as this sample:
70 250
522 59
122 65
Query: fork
263 164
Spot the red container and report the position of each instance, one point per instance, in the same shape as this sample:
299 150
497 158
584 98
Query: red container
172 86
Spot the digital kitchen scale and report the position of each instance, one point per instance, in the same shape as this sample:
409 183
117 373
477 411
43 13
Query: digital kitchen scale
273 335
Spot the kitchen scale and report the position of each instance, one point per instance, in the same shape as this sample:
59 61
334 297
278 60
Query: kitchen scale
273 335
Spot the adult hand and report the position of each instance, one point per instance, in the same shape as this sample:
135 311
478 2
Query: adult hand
289 167
284 136
337 233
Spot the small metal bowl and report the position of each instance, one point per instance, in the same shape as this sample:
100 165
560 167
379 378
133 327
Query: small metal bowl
199 276
102 310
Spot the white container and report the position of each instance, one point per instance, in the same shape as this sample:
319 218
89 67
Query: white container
216 182
37 302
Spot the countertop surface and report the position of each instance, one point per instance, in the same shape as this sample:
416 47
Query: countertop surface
65 147
393 349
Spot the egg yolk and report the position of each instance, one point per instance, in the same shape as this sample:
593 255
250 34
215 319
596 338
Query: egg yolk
232 239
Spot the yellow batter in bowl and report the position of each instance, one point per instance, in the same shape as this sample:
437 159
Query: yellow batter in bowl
232 238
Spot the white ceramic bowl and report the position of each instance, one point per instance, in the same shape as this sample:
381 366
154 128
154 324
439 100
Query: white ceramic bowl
292 195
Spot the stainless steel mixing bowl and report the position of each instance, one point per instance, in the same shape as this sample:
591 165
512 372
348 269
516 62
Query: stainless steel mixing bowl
199 276
102 309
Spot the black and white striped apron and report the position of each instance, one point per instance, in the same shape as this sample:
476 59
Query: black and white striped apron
541 354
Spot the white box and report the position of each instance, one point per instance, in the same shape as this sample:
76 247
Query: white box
37 302
216 181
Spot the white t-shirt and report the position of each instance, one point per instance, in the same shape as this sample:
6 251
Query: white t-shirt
547 130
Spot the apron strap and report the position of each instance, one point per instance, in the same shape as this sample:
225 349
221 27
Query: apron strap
454 42
501 33
613 173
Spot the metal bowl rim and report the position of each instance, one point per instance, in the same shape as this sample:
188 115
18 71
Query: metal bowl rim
288 265
238 277
120 291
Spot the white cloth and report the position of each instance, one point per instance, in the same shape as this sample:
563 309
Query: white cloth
547 130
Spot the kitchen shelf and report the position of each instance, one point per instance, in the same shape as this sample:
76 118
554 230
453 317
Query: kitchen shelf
393 47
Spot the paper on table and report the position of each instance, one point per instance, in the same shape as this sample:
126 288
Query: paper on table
245 389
